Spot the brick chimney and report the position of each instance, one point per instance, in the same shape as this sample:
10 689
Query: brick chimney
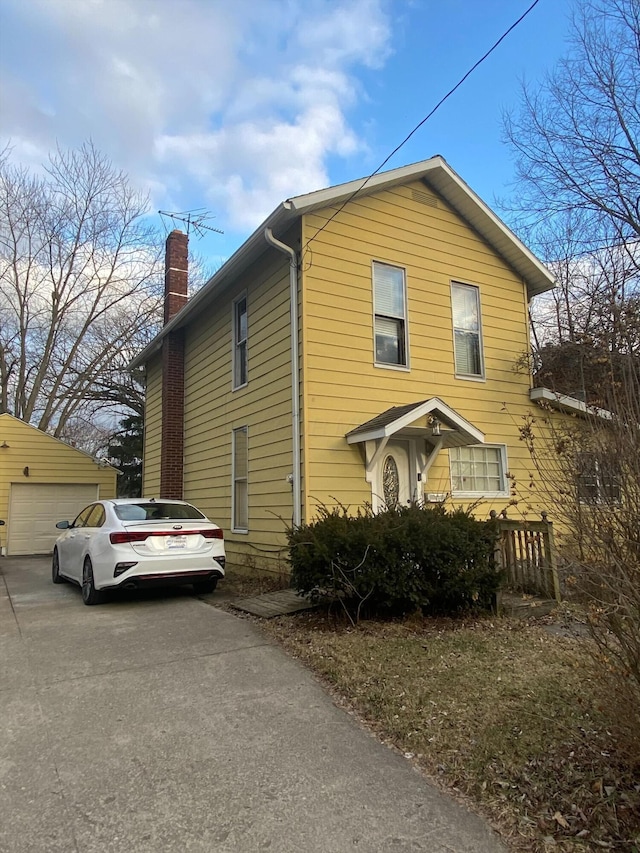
176 276
176 273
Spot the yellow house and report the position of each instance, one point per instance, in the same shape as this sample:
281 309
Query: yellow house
359 347
42 481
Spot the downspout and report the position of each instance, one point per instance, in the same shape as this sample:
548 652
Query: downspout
295 367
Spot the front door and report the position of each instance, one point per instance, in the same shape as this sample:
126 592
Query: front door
394 485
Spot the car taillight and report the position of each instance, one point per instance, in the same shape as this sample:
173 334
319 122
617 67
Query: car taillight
121 538
211 534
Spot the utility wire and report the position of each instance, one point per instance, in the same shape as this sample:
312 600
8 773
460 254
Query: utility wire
418 126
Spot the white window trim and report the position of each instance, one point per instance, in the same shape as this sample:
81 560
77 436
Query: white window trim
404 368
468 377
502 493
234 349
235 529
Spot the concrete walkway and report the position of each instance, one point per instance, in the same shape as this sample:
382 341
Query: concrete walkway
156 723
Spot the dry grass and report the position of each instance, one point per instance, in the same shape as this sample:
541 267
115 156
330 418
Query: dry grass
502 711
243 582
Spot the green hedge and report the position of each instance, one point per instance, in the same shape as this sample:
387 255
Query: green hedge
398 560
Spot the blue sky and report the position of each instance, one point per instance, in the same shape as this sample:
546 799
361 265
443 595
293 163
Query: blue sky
235 105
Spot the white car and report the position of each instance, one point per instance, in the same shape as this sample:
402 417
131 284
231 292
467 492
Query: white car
138 542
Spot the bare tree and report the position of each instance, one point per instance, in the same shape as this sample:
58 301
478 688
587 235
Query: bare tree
585 328
588 474
80 288
577 153
594 290
576 136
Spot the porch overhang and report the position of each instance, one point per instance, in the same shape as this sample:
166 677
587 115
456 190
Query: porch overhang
432 420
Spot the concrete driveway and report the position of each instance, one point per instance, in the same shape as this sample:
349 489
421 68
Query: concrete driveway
159 723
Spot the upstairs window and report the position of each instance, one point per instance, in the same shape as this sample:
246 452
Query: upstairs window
467 336
240 342
390 315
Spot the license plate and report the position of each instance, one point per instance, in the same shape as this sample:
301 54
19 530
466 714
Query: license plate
176 542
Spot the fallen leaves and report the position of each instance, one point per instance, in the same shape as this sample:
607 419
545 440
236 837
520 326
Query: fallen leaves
502 711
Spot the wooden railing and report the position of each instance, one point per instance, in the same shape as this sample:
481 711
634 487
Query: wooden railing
526 551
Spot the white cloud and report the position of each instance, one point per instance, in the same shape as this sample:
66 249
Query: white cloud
241 104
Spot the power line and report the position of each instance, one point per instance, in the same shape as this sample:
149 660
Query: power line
420 124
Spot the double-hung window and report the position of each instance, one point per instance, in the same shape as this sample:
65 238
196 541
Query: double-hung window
240 496
478 470
598 478
467 333
390 315
240 342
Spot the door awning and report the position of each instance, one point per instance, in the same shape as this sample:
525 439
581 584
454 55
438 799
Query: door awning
431 419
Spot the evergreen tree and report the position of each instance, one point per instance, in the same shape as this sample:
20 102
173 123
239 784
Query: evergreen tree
125 452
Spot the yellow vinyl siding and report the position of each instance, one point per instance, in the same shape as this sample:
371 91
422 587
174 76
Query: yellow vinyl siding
152 429
344 388
213 410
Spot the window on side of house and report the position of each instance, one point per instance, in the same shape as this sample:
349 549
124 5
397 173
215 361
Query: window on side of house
240 342
597 479
478 470
240 474
467 332
390 315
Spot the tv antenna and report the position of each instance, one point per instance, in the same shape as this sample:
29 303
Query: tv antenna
194 219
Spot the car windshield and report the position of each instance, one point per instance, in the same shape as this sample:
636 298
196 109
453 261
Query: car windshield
156 510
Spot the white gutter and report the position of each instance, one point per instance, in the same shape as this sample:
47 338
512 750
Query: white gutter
295 367
567 404
241 258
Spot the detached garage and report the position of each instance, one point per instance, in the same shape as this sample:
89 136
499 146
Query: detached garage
42 481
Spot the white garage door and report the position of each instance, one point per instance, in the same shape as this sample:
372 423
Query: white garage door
34 509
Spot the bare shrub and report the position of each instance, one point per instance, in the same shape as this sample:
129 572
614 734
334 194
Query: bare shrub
589 471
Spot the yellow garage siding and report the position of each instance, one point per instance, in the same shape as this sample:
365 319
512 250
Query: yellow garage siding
343 387
29 456
213 410
152 429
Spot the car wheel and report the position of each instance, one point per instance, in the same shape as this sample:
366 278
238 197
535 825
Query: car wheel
205 587
90 595
56 577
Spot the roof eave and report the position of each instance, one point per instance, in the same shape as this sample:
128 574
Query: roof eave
439 176
434 172
566 404
251 249
471 207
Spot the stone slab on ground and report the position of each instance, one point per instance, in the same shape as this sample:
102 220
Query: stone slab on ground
525 606
271 604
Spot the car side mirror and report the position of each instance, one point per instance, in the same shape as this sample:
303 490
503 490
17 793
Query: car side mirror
1 523
63 525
